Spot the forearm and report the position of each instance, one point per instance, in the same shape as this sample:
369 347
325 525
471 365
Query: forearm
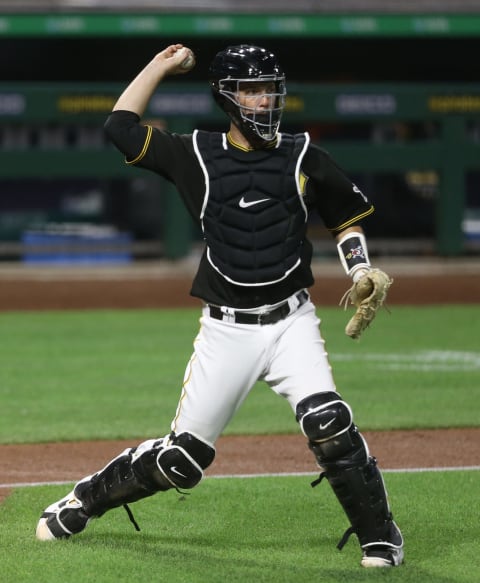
136 96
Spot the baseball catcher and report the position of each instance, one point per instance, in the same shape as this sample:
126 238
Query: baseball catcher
250 189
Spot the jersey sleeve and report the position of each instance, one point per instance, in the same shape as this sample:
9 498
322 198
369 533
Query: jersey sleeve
148 147
168 154
339 202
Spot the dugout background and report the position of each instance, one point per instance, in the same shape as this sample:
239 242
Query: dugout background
407 202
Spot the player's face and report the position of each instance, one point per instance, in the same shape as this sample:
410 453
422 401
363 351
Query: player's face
256 96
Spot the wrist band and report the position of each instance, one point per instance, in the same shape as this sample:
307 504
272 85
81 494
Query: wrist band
353 253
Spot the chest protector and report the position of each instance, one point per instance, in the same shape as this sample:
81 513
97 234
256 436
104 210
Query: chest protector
253 217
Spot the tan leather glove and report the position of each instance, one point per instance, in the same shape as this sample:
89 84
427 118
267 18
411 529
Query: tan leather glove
367 294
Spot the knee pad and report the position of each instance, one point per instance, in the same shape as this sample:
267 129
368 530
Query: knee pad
327 421
176 461
183 460
323 416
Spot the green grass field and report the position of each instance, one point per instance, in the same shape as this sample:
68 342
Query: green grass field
108 374
86 375
255 530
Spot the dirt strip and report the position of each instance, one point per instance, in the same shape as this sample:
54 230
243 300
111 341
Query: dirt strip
174 292
53 462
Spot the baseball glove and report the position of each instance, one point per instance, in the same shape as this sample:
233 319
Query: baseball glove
367 295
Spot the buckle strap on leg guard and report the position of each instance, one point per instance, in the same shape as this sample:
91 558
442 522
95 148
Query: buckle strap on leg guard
346 535
318 480
131 517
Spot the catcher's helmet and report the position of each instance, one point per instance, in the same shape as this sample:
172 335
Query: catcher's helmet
249 64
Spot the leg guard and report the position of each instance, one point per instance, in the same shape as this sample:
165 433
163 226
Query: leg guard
326 420
156 465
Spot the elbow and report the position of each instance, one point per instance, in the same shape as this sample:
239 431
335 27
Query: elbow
120 123
108 127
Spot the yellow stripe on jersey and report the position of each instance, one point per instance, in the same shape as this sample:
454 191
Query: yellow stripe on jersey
231 141
352 221
145 147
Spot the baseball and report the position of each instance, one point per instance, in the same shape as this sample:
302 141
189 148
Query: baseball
189 61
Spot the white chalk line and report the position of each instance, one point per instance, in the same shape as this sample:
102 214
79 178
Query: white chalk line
269 475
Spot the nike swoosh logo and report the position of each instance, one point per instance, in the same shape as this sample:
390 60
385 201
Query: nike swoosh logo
175 471
327 424
244 204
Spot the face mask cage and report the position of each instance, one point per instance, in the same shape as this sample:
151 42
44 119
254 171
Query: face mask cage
262 122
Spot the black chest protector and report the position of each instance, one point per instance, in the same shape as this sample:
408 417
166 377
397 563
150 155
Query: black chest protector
253 217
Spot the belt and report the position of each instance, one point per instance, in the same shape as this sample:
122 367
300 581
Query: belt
272 317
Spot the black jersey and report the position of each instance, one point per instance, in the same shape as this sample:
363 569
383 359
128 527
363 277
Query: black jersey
325 190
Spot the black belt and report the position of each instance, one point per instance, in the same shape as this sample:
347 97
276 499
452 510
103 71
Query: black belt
271 317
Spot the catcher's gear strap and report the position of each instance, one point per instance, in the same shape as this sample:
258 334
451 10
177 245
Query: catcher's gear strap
352 249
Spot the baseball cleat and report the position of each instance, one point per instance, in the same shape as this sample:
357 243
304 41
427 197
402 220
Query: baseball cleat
62 519
384 554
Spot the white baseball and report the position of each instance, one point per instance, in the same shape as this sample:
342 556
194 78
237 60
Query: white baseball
189 60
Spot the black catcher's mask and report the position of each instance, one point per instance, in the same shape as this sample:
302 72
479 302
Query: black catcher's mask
249 64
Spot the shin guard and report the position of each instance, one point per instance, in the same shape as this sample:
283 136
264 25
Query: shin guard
120 483
341 452
358 485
